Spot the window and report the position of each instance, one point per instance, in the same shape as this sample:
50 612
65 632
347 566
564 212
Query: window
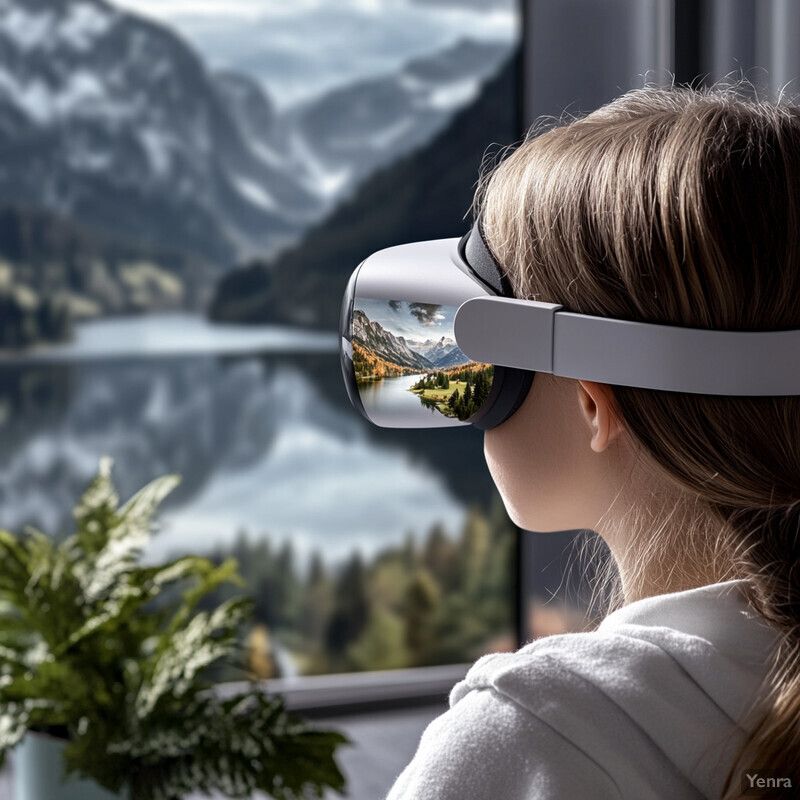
186 188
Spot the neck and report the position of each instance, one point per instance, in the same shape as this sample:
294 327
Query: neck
666 544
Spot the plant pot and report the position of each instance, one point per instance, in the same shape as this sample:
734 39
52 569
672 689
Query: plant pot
39 773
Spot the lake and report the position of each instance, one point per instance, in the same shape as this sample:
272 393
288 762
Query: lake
257 422
390 400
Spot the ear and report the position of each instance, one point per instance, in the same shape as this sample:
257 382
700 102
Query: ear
598 408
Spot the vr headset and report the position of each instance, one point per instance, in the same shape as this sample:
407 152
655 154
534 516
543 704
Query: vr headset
432 337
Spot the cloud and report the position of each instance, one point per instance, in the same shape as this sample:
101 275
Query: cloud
252 9
471 5
426 313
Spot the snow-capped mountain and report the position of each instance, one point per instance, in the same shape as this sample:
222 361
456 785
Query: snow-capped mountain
332 143
443 352
385 344
351 132
115 122
437 188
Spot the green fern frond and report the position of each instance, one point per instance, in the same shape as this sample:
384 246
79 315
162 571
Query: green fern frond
117 654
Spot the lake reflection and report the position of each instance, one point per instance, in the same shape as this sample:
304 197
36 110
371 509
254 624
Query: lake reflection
389 401
266 444
332 520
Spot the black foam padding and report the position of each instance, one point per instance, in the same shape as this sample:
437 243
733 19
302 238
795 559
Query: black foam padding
510 387
480 259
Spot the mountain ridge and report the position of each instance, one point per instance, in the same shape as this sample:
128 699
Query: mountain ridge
114 120
424 195
384 344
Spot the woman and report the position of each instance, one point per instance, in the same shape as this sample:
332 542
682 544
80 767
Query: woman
671 206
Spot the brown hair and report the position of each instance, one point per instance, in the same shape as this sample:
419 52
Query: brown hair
682 206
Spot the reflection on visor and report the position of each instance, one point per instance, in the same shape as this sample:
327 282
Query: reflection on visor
407 363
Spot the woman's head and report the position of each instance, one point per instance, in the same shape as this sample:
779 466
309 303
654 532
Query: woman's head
679 207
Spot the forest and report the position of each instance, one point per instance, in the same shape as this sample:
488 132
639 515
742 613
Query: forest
436 600
368 366
456 392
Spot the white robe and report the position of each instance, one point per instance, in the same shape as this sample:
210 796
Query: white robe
644 707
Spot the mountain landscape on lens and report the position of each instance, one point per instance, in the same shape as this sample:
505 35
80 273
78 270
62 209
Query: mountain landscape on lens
441 353
134 176
379 353
394 349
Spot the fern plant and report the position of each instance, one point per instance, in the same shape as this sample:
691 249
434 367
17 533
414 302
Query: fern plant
114 656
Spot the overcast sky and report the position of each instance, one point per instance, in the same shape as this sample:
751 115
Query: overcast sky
300 49
166 9
414 321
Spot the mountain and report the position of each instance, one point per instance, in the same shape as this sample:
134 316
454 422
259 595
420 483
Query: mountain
424 195
394 349
331 143
350 132
113 121
441 353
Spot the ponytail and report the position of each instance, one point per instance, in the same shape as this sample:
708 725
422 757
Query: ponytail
682 207
774 591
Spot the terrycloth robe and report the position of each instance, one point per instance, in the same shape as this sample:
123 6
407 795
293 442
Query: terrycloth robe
646 707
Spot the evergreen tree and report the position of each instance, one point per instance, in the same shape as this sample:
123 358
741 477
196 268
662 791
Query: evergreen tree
422 603
482 387
475 546
441 557
287 589
351 607
317 602
409 553
382 644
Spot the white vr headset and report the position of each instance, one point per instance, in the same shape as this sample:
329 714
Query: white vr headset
431 336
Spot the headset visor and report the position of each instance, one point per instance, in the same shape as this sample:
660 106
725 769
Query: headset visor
401 363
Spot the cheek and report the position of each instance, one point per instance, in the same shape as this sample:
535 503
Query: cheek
508 457
534 460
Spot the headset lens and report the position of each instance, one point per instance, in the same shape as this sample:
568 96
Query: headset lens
407 367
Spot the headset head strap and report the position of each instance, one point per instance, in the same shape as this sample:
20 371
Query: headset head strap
476 254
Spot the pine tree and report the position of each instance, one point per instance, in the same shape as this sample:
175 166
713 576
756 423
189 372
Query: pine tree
481 391
475 546
422 603
288 588
440 556
351 609
317 601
